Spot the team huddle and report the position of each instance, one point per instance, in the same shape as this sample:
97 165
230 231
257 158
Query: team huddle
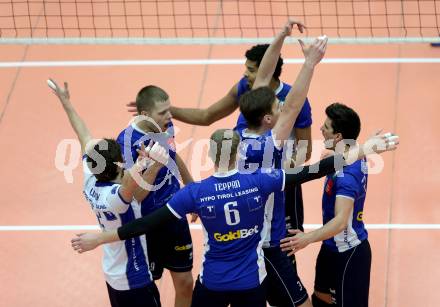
250 209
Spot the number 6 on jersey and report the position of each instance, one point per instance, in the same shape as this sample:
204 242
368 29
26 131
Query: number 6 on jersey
232 215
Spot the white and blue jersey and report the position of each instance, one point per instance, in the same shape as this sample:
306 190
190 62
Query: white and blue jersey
304 118
350 183
231 207
125 263
260 151
166 182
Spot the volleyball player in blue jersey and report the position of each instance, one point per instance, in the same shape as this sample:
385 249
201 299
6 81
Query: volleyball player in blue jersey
265 136
344 261
110 190
301 132
175 253
231 206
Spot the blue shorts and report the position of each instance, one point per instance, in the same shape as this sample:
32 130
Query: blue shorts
284 288
140 297
203 297
346 276
170 247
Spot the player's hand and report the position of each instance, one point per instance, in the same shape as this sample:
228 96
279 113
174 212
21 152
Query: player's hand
62 93
295 243
131 108
85 242
158 153
380 143
152 155
314 52
287 29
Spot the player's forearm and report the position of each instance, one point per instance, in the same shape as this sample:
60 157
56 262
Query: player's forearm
183 170
296 99
269 61
149 178
108 237
302 174
191 116
76 122
329 230
145 224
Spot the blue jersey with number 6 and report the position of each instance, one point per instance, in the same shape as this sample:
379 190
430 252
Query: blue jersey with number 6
231 207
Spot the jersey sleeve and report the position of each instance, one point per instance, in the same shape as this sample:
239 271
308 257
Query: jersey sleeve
182 202
114 200
272 180
348 185
129 153
242 87
304 119
241 123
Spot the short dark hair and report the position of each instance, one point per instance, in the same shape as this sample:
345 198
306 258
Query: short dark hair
256 103
256 53
344 120
110 150
220 138
148 96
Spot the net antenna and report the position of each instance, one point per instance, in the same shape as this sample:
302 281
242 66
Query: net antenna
202 22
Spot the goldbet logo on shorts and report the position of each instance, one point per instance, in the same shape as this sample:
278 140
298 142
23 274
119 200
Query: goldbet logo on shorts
183 247
235 235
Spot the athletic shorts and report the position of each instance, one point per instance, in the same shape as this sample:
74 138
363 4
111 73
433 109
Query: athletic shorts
170 247
284 287
203 297
346 276
294 207
142 297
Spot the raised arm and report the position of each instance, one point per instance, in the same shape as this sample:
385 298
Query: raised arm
376 144
269 61
205 117
295 99
78 125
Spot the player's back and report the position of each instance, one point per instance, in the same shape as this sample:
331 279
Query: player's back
260 152
231 207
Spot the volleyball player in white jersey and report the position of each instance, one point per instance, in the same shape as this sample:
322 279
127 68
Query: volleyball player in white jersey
110 190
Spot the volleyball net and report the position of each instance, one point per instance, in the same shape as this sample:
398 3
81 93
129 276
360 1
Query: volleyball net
213 21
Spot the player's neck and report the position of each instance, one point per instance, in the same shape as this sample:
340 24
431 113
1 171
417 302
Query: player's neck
118 178
223 169
145 126
346 149
257 130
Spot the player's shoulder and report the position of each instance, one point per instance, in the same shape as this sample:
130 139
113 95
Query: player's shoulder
130 132
357 170
242 86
